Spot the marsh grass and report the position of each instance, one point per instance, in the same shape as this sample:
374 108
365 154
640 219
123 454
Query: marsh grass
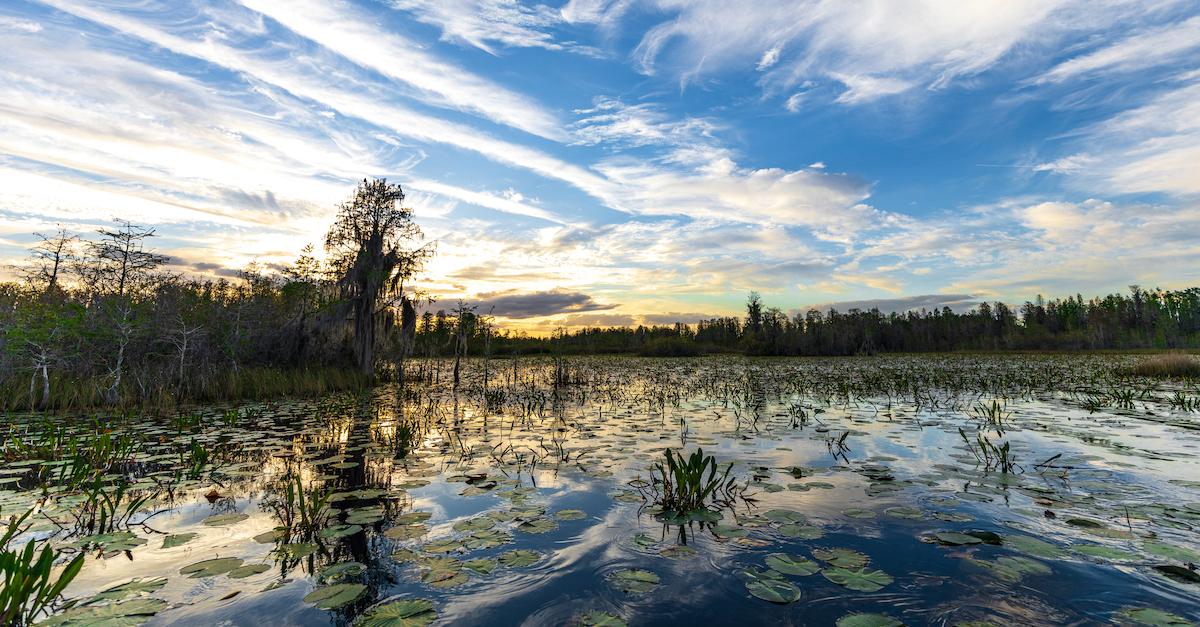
684 488
1167 366
68 394
30 587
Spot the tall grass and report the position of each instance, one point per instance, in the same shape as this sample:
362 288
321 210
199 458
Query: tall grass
30 587
68 394
1168 366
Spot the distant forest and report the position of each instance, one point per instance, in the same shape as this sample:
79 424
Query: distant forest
99 321
1142 319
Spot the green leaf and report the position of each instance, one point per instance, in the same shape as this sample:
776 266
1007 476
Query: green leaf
211 568
519 558
841 558
249 570
868 620
634 580
335 596
178 539
596 618
1151 617
791 564
770 586
129 613
862 580
224 520
136 587
402 613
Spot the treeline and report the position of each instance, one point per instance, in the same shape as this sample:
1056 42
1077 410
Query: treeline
100 320
1142 319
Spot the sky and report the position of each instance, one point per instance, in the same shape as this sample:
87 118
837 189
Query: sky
613 162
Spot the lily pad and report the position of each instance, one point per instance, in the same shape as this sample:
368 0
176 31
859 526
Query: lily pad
401 613
570 514
634 580
791 564
1151 617
596 618
335 596
862 580
868 620
770 586
841 558
124 614
519 558
224 520
211 567
178 539
137 587
249 570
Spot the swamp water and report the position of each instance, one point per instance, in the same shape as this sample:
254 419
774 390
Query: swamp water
872 491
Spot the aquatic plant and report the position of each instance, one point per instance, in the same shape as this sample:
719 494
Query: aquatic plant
303 511
989 454
30 587
685 487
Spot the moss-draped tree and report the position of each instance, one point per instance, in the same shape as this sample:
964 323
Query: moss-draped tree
372 247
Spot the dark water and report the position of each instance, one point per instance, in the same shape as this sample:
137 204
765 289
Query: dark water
1121 498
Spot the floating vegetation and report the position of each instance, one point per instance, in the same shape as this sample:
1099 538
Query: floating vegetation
595 491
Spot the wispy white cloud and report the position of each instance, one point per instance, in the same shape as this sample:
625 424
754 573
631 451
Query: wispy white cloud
484 24
1146 48
332 24
1154 147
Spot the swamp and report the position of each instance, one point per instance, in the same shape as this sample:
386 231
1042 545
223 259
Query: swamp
964 489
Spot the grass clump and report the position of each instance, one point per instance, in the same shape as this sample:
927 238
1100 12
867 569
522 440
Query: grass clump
683 488
30 587
1167 366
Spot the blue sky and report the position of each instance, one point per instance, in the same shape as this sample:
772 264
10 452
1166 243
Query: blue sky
625 161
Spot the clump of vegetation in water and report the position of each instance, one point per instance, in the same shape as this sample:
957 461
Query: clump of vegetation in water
1169 366
684 488
29 585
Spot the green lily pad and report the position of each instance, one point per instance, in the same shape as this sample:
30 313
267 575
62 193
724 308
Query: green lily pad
538 525
791 564
770 586
296 550
868 620
519 558
137 587
335 596
340 531
954 538
862 580
803 532
570 514
178 539
130 613
634 580
1013 569
1034 547
406 532
211 567
1151 617
224 520
249 570
444 577
910 513
481 566
596 618
841 558
401 613
341 569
